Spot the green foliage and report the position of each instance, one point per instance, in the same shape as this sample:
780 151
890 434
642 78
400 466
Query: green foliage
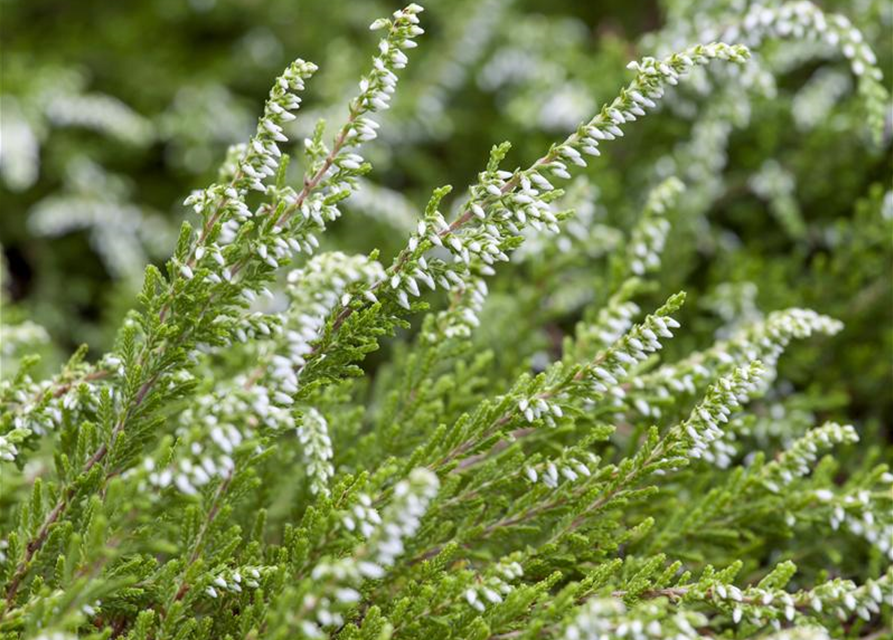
498 416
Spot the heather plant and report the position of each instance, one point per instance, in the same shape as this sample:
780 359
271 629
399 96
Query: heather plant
506 421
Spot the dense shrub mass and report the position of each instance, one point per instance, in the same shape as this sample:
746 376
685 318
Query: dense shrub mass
632 381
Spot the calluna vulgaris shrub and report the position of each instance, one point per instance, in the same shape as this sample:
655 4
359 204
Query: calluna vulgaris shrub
559 458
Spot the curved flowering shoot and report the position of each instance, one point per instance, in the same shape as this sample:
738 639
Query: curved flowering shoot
863 508
682 443
764 340
314 292
777 422
313 434
30 409
646 242
332 588
797 459
331 175
632 349
162 298
768 605
802 19
222 206
659 455
757 611
738 505
693 436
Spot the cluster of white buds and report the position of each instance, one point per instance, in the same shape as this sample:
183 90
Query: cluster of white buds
8 450
864 513
191 472
616 363
843 598
286 225
332 175
403 517
212 429
569 469
728 393
765 341
260 161
313 291
222 206
36 408
539 409
335 581
721 452
602 618
313 433
802 19
649 236
233 580
765 601
462 316
797 459
493 588
362 516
